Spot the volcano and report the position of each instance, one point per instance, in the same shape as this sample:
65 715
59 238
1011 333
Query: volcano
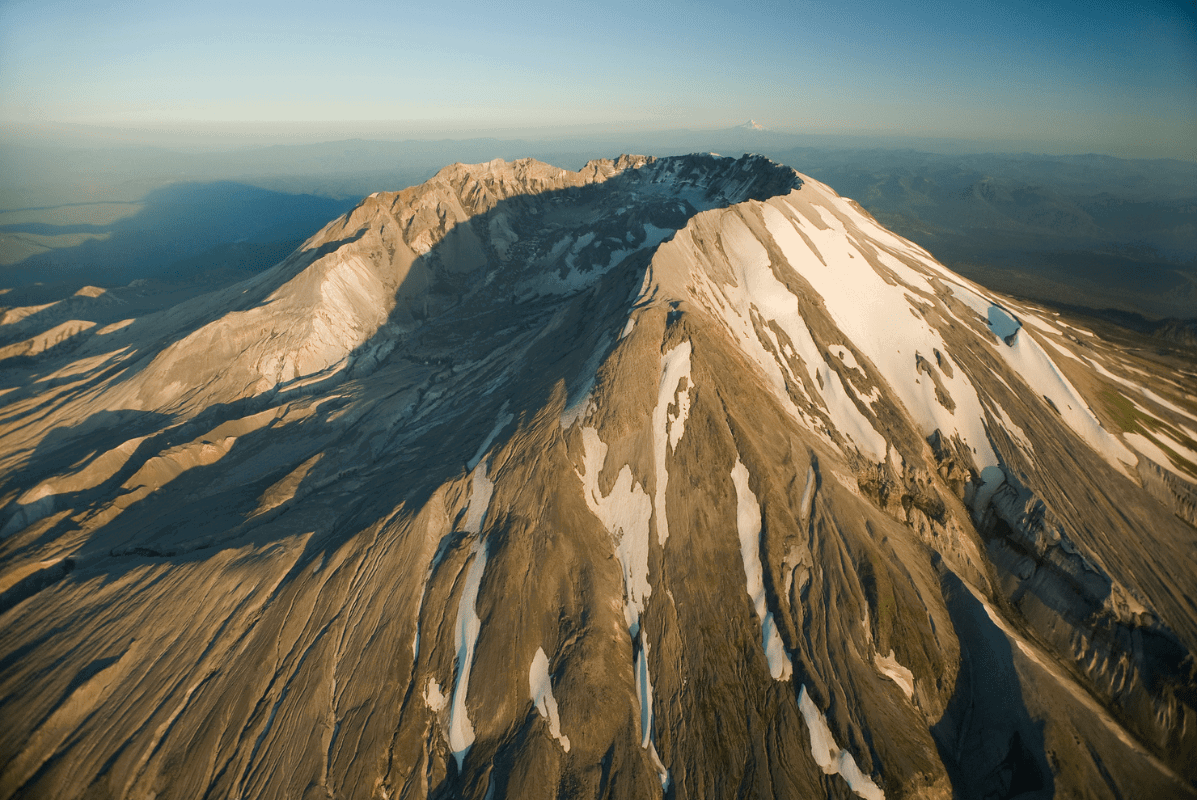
673 477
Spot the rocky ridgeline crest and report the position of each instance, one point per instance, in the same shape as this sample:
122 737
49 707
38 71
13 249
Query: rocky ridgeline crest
670 476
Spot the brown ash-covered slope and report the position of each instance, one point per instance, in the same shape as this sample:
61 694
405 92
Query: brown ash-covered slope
675 477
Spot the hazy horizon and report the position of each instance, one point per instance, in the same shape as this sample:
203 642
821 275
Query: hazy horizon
218 137
1068 78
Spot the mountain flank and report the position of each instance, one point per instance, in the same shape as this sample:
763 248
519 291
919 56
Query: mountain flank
668 477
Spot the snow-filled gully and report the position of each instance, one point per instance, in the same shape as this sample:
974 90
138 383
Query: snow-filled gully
627 511
461 731
827 755
542 695
667 427
749 523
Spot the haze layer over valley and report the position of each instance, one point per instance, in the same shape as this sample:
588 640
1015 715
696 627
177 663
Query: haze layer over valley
1090 232
676 477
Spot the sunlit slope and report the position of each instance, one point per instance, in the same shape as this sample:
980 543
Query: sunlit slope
675 476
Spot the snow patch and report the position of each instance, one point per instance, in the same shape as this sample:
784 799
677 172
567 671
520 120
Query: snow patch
1152 450
993 478
583 241
759 289
676 367
1063 350
676 420
434 698
749 523
580 399
466 633
831 759
645 690
810 486
1014 430
844 355
733 306
1028 360
656 235
873 314
1033 319
501 421
616 258
552 282
1146 393
625 514
891 668
971 299
664 775
1165 443
481 498
543 696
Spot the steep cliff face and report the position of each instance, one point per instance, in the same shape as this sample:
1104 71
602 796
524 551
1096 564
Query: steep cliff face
676 476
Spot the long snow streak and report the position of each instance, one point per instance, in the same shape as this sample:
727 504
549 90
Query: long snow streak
1030 361
829 757
667 427
645 692
664 775
749 523
759 292
543 696
810 486
466 630
626 513
501 421
481 498
859 298
1037 369
466 633
875 314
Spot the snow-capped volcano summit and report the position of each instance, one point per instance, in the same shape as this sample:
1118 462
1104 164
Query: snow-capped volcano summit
667 477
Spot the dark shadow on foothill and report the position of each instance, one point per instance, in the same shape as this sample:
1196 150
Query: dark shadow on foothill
182 230
417 422
73 447
442 324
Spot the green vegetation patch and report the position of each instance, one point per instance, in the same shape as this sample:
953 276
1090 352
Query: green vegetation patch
1130 419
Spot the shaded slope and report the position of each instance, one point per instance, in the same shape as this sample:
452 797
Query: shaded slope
311 536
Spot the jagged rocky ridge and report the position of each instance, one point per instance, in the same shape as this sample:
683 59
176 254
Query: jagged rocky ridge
671 477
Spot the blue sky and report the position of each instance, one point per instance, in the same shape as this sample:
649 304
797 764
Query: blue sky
1092 77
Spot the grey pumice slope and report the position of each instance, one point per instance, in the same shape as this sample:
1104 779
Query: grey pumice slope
668 477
